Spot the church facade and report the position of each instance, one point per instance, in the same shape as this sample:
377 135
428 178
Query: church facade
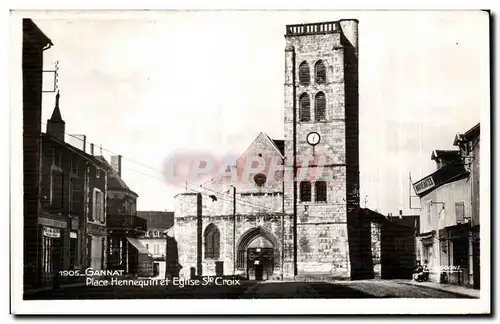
298 216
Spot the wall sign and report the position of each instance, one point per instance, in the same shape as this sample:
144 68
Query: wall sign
51 232
424 185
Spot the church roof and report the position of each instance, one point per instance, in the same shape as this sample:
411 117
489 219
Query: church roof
279 144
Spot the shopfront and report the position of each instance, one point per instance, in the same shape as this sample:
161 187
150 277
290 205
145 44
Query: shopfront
52 251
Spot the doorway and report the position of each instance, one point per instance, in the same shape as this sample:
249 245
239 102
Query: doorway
260 263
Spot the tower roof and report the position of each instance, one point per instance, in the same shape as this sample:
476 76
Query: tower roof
56 114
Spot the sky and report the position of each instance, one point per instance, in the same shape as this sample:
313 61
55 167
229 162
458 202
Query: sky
146 84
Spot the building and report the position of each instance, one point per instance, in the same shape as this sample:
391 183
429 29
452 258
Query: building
72 205
393 244
159 241
279 227
35 42
124 252
449 218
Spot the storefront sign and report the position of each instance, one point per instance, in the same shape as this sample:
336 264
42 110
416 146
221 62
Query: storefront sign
51 232
52 222
73 235
424 185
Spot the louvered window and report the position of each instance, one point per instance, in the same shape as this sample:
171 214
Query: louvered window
305 191
304 74
320 106
320 191
304 107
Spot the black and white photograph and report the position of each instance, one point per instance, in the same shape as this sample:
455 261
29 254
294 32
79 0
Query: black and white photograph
230 161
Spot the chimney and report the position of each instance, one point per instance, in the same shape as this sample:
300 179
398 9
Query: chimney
91 148
400 213
56 125
116 163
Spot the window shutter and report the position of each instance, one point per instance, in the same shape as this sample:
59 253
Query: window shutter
92 215
304 74
320 106
103 215
460 212
304 107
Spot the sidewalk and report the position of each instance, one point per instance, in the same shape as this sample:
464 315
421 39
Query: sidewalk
473 293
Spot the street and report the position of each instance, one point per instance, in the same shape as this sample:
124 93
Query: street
254 289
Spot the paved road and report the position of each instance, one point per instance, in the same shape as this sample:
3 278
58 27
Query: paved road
252 289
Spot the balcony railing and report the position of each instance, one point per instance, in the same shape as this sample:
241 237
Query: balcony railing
126 222
310 29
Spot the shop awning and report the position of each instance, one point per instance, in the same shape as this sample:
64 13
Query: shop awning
138 245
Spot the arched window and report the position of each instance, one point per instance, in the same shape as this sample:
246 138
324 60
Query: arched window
304 107
212 242
305 191
320 72
320 187
304 74
320 106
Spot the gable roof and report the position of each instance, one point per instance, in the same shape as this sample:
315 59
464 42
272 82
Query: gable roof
469 135
76 150
157 219
447 174
446 155
115 182
278 144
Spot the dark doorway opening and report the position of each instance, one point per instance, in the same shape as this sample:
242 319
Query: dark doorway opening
260 263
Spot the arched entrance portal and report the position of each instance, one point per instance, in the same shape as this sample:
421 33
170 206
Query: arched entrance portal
258 254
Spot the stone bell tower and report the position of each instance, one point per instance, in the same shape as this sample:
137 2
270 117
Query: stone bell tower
321 145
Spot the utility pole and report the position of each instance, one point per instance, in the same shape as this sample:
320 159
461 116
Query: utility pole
234 230
199 234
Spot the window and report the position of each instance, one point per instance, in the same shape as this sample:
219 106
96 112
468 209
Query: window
320 72
97 173
75 197
212 242
460 212
156 249
157 233
147 246
320 106
74 167
56 189
320 191
304 107
305 191
304 74
56 157
98 206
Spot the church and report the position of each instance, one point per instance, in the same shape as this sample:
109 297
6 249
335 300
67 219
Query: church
278 227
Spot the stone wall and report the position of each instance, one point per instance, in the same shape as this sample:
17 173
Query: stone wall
322 237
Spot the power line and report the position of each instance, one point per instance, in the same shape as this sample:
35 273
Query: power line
238 200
